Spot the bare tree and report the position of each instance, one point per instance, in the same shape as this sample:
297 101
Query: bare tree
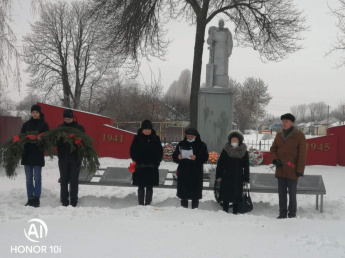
339 112
24 106
177 96
300 112
152 97
321 110
64 53
339 45
250 100
136 28
9 55
318 111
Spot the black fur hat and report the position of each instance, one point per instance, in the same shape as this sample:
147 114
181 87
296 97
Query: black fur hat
191 131
237 134
288 116
36 108
68 113
146 124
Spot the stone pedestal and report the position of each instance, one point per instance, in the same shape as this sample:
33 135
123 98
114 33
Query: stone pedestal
215 116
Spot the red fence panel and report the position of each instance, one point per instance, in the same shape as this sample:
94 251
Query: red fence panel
114 142
339 132
108 140
9 127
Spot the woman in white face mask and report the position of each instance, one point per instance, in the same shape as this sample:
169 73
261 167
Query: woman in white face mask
233 170
190 154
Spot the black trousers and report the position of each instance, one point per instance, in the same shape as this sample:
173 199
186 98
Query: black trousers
195 203
284 185
145 195
69 173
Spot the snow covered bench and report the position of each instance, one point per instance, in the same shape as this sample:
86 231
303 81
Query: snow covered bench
259 182
308 184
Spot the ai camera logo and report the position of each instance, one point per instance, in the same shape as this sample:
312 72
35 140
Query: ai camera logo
36 231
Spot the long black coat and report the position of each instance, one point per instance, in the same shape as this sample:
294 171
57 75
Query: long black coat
33 155
233 171
63 149
190 172
147 152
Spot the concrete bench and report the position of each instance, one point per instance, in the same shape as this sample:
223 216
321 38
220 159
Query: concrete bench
259 182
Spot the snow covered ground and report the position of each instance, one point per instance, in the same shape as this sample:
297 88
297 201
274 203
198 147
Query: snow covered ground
109 223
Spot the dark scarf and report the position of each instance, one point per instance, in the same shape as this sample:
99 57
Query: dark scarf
288 131
237 152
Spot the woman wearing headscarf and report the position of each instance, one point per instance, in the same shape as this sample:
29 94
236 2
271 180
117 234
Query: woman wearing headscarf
33 157
233 170
190 155
147 152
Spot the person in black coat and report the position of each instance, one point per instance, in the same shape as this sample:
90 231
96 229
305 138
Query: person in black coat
233 170
147 152
33 157
190 169
69 164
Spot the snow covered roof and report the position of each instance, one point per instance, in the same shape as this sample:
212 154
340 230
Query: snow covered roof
330 120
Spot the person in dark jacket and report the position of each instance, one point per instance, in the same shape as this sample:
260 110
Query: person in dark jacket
33 157
233 170
147 152
190 168
69 164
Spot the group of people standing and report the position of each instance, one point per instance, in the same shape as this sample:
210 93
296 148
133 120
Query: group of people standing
190 154
288 153
33 160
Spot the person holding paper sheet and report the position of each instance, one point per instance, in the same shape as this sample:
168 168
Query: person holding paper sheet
190 154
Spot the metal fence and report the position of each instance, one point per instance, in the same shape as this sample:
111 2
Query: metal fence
263 145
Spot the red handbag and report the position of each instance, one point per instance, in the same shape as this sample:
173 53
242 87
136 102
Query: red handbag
131 167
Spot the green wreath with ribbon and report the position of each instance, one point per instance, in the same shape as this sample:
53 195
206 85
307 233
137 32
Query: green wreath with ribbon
168 153
12 150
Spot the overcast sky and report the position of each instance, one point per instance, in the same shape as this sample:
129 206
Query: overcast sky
303 77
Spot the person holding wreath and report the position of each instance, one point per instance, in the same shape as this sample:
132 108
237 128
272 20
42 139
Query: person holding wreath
33 157
69 163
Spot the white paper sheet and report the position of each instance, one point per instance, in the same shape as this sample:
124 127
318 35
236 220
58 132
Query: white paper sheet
186 154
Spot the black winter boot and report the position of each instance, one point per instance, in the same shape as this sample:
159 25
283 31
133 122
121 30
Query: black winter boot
148 197
226 207
184 203
234 209
65 203
195 204
29 203
36 202
74 203
141 195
